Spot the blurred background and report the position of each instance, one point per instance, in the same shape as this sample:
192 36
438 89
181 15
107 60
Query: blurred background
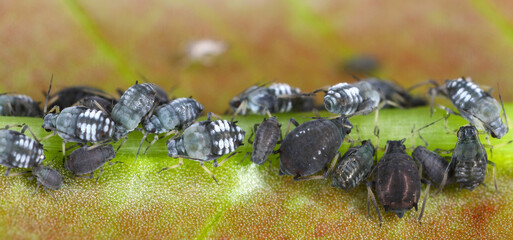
213 49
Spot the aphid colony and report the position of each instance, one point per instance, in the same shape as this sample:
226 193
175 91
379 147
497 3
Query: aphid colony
93 120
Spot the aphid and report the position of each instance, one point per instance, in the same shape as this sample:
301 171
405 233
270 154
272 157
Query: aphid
206 140
177 114
397 181
360 64
137 102
394 93
468 161
84 161
97 103
478 107
81 125
255 100
290 99
19 105
433 165
47 177
18 150
278 97
267 134
311 146
173 115
354 166
67 97
352 99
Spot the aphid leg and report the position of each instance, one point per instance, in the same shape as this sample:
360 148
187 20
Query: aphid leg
332 166
370 195
121 144
209 172
180 163
51 194
299 178
425 199
13 125
446 118
494 176
241 108
253 131
26 127
16 174
268 114
244 157
224 160
98 177
145 135
444 180
37 188
100 107
293 121
48 136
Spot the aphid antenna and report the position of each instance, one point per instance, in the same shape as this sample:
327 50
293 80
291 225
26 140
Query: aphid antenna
412 134
47 95
503 109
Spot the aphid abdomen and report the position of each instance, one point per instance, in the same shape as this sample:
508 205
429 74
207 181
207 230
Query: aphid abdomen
83 161
48 177
285 96
174 115
469 159
94 126
476 106
354 167
433 165
266 137
309 148
398 183
19 151
343 99
19 105
469 174
225 136
135 103
463 94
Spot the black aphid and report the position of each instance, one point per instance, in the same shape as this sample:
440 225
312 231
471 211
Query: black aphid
84 161
397 181
354 166
394 93
433 165
352 99
360 64
478 107
18 150
267 134
47 177
206 140
67 97
97 103
469 161
19 105
311 146
136 103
